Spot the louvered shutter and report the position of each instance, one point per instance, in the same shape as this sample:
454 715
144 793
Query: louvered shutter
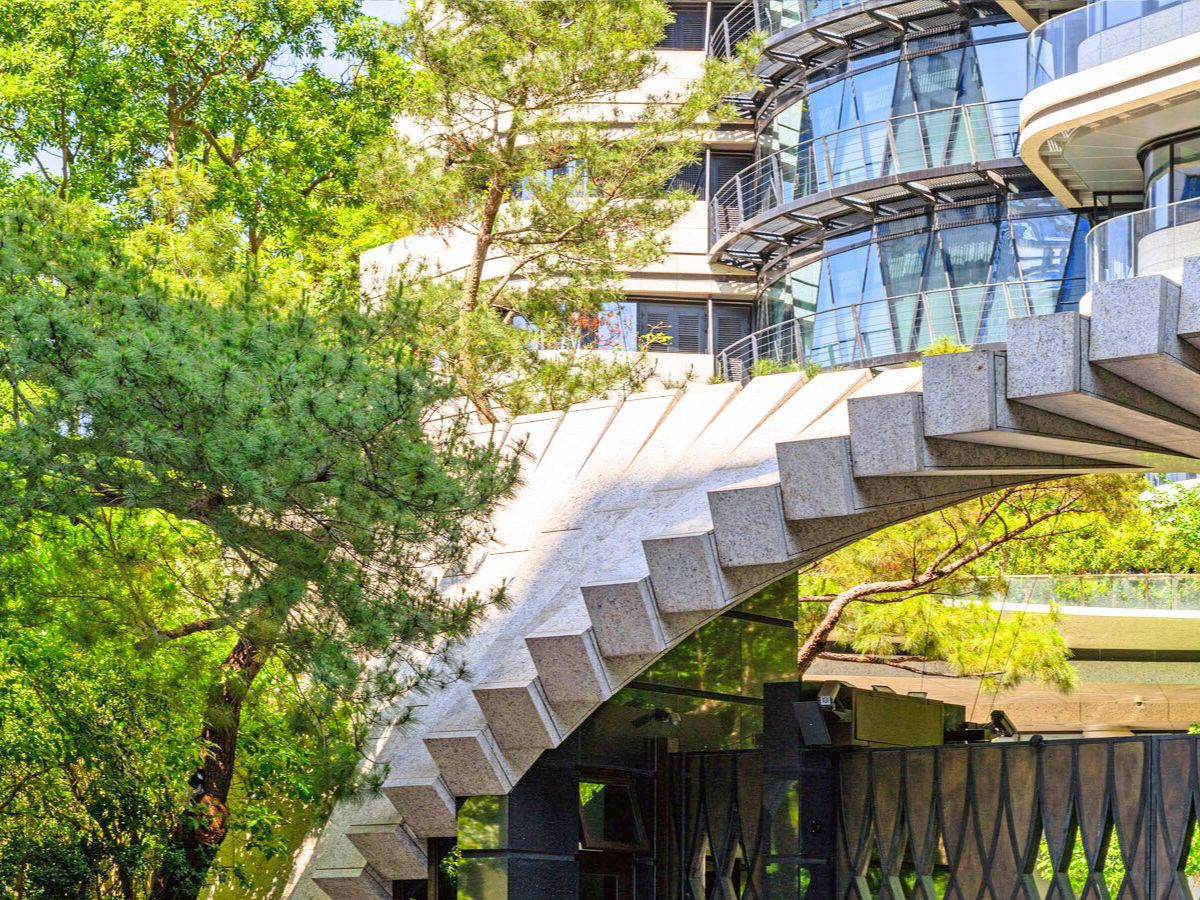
685 324
687 31
690 338
732 324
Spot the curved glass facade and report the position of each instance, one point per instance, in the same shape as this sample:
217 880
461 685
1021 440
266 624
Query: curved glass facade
952 70
1172 171
945 274
887 193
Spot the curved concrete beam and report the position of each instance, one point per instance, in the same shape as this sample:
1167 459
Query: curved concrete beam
643 518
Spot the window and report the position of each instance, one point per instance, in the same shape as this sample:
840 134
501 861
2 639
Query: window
687 31
723 166
609 815
690 178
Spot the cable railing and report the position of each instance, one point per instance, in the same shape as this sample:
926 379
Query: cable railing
927 140
893 327
1103 31
733 29
1137 591
1145 242
770 16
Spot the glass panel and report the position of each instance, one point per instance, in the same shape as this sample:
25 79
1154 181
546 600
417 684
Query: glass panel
782 805
1187 170
873 93
609 815
787 879
482 878
935 79
483 823
1157 169
997 64
599 886
824 107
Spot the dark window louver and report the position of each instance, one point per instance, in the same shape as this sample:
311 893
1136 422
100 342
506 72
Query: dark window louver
731 326
725 166
687 31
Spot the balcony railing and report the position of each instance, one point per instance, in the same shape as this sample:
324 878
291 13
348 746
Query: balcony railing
770 16
894 327
1144 242
1181 592
927 140
1103 31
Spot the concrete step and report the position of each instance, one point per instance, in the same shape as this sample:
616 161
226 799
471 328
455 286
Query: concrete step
423 799
1135 335
1049 367
353 884
887 438
965 399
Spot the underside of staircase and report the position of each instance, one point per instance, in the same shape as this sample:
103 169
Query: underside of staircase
640 519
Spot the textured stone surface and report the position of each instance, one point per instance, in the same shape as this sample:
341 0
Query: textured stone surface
1002 422
518 713
1049 367
748 523
640 519
351 884
684 573
1189 301
469 762
1149 353
624 617
393 851
428 805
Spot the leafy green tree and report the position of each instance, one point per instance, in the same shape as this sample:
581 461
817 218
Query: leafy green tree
918 592
324 471
519 144
257 108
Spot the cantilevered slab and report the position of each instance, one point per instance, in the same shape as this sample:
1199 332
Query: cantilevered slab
887 438
965 399
1134 334
1049 367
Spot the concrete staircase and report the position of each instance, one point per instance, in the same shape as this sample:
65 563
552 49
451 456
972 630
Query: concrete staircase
641 519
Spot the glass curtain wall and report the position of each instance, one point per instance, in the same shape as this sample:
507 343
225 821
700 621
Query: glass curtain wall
960 273
934 101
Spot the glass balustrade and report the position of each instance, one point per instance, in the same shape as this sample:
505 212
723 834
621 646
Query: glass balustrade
1179 592
1103 31
1146 242
927 140
894 326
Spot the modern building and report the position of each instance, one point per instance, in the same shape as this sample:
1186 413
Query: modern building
989 173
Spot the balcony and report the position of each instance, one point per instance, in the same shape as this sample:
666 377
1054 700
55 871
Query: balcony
850 177
1105 31
806 33
1147 242
1107 79
894 329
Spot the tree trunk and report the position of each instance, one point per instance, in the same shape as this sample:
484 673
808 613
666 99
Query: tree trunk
469 297
819 636
197 838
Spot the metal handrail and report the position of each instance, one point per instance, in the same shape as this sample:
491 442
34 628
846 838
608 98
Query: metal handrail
769 17
893 327
1144 242
924 140
1103 31
733 29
